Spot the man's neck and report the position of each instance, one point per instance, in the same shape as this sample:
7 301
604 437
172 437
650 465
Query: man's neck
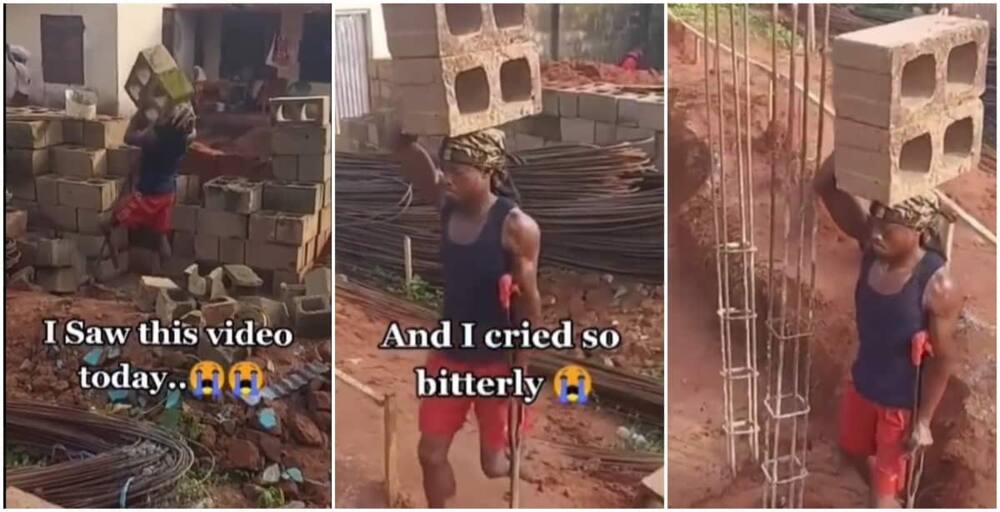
904 262
478 207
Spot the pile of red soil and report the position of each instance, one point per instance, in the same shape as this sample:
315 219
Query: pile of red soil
579 72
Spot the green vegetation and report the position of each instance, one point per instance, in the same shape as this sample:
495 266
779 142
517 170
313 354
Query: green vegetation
419 290
272 497
17 457
760 23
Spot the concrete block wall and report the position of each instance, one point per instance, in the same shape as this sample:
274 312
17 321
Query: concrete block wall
458 68
593 114
909 116
59 171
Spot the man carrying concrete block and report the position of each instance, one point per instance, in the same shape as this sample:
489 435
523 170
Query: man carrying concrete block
486 237
163 143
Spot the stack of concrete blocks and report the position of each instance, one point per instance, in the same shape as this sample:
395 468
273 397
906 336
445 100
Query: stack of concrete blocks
63 174
459 68
59 265
593 114
156 83
909 117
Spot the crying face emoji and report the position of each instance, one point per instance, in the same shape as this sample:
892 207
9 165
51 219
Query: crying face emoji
206 380
246 380
572 384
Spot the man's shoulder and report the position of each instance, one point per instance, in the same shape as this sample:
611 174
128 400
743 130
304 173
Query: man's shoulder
519 222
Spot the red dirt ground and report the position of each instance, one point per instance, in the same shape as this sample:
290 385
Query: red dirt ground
32 371
578 72
560 481
960 470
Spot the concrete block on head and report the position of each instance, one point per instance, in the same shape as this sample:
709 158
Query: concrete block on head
91 193
78 161
104 132
35 134
300 110
25 163
234 194
891 74
468 92
436 30
155 84
124 160
891 165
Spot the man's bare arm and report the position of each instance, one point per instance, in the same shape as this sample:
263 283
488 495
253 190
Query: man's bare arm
943 303
419 169
522 239
844 208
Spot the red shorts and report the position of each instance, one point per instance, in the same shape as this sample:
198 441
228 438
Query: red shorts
445 416
150 212
869 429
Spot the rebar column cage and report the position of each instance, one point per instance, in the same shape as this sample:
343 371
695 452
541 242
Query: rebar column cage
734 244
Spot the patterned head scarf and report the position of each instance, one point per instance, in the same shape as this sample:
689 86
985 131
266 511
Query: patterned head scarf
922 213
485 149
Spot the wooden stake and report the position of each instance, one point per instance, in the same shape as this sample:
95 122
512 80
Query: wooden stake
391 477
408 259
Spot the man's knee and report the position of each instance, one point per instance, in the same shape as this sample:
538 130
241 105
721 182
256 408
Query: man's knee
432 452
494 464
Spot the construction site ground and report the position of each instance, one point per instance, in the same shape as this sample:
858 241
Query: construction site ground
45 374
960 469
557 479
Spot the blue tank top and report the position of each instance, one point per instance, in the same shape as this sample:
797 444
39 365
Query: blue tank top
472 282
883 371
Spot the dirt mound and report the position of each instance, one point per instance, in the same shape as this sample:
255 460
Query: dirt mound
580 72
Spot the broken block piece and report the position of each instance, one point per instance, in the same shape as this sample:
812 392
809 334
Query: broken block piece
173 303
312 316
892 165
300 109
892 74
156 83
219 309
435 30
104 132
464 93
79 162
232 194
149 289
241 276
92 193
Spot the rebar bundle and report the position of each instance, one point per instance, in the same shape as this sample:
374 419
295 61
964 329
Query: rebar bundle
735 248
599 209
112 462
790 311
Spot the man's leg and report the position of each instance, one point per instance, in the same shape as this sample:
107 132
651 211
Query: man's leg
889 471
857 424
439 479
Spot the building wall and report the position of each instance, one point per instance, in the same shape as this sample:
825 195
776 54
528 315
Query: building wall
139 27
22 26
376 33
185 29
